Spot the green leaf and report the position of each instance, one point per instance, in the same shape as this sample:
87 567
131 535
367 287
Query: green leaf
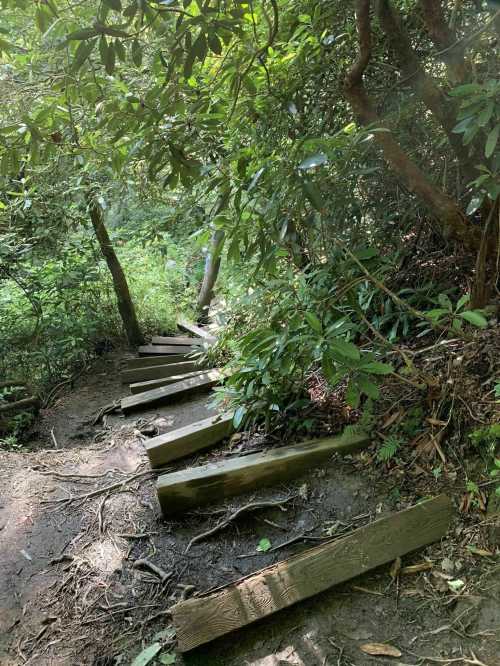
114 4
83 51
314 161
120 51
238 417
352 395
445 302
376 368
147 655
346 349
462 301
214 43
474 317
367 387
264 545
167 658
136 53
491 141
313 322
313 194
485 115
110 60
474 204
466 89
462 125
85 33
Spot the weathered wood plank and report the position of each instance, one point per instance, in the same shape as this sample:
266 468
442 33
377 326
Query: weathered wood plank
168 393
198 621
193 437
151 350
195 330
148 361
140 387
159 371
179 340
186 489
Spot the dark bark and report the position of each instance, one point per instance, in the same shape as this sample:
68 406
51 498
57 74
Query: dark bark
120 285
451 50
450 218
212 266
444 110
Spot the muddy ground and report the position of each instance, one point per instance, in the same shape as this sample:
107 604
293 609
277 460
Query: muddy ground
74 519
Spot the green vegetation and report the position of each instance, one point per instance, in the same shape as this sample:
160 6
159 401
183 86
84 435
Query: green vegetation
336 163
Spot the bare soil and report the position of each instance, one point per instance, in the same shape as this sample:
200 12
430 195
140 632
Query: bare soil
74 519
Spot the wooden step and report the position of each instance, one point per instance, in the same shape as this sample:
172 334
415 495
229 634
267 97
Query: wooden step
196 330
200 620
148 361
151 350
159 371
166 340
140 387
189 439
167 394
188 488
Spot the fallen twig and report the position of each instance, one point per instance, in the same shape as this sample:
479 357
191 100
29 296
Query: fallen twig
107 409
56 445
252 506
105 489
146 564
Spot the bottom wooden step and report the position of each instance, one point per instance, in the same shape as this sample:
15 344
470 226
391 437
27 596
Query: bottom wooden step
188 488
198 621
189 439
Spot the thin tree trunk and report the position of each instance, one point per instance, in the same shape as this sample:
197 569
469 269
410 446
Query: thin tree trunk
451 49
443 110
448 214
120 285
212 266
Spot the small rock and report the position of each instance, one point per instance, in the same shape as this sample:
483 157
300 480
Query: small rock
447 565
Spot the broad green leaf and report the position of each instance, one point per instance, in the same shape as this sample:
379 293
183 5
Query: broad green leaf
377 368
214 43
83 51
114 4
474 317
462 301
346 349
120 51
352 395
485 115
313 322
466 89
136 53
110 60
313 194
462 125
315 160
147 655
84 33
264 545
368 387
491 141
474 204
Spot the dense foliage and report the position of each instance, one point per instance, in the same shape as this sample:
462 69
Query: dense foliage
331 146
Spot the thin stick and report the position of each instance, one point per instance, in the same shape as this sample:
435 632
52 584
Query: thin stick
146 564
224 523
56 445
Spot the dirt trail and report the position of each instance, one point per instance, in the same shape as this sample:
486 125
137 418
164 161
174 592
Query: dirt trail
70 594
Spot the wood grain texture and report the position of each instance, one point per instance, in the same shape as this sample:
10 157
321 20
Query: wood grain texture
168 393
178 340
186 489
149 361
158 350
159 371
198 621
140 387
196 330
189 439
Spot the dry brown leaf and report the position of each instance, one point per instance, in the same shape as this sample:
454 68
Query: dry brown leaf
392 418
436 422
395 568
380 650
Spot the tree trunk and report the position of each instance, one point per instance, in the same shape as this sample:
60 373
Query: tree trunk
212 266
448 214
444 110
124 300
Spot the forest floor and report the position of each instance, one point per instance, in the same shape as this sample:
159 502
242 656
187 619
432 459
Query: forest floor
74 519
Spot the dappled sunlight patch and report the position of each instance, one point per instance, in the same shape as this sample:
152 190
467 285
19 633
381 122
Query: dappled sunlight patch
104 557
